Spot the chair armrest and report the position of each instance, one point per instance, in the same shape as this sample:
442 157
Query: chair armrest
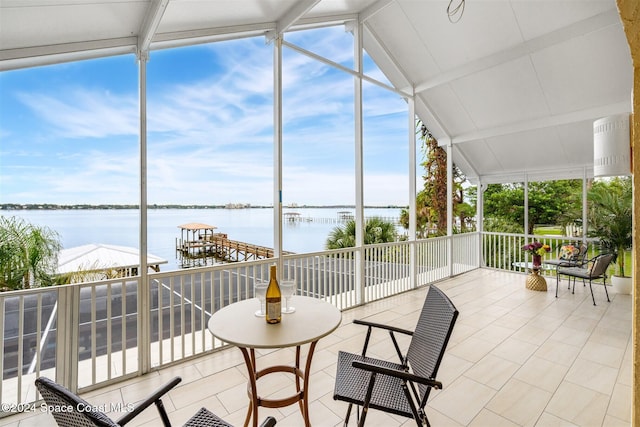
390 329
396 373
382 326
268 422
153 398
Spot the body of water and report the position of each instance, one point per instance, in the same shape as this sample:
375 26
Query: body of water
252 225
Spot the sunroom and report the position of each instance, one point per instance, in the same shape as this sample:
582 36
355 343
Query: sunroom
510 88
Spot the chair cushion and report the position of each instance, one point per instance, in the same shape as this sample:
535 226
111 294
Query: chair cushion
568 252
351 385
582 273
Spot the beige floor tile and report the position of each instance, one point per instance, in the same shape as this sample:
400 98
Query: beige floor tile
542 373
550 420
462 400
494 333
620 405
492 371
487 418
520 402
603 354
533 332
578 405
514 350
570 336
472 349
558 352
592 375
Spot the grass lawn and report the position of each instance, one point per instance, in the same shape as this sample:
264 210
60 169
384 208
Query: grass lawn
551 230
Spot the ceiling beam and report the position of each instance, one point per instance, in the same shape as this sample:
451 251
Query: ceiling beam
373 9
379 47
150 24
528 47
291 17
14 59
545 122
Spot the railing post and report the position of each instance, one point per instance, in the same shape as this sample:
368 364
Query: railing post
67 336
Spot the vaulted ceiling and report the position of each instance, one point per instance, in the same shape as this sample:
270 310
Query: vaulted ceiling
514 85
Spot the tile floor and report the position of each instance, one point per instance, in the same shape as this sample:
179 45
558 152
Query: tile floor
516 358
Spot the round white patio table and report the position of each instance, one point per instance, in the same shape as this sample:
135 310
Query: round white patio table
237 324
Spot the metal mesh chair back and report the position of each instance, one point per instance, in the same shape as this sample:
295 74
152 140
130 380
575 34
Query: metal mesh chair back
68 409
582 255
431 336
600 265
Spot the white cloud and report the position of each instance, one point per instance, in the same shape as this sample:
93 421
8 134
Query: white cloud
84 113
211 140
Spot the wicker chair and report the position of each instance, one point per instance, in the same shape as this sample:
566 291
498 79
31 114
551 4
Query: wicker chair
596 269
400 388
70 410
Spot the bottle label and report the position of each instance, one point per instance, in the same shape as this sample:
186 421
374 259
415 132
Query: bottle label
274 310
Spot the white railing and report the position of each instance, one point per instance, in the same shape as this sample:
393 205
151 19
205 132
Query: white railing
504 250
87 335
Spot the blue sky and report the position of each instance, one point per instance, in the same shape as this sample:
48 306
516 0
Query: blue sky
69 132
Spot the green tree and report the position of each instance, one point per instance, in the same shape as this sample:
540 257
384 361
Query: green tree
610 210
431 201
550 202
28 254
376 230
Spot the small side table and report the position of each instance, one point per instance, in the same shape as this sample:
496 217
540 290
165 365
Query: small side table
536 282
236 324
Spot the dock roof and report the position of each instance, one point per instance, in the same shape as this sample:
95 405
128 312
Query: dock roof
101 257
197 226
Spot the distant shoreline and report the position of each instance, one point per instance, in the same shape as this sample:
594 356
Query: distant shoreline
50 206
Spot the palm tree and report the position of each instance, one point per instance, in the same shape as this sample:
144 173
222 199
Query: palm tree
28 254
376 230
611 207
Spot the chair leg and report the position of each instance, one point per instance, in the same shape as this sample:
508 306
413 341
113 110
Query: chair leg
557 283
605 289
592 297
367 399
346 418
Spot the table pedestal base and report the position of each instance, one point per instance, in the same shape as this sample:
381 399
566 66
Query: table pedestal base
536 282
300 396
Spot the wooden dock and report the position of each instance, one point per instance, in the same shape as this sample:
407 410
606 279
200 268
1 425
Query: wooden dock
207 248
221 248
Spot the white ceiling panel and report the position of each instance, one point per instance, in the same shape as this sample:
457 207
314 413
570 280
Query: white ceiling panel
504 94
393 28
537 18
515 85
486 28
28 24
450 111
186 15
585 72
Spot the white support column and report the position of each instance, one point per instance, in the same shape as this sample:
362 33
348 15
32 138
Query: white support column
144 305
585 206
277 151
450 205
526 212
526 207
480 220
359 165
411 125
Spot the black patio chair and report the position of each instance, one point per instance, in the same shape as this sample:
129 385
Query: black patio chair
400 388
70 410
566 259
595 268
